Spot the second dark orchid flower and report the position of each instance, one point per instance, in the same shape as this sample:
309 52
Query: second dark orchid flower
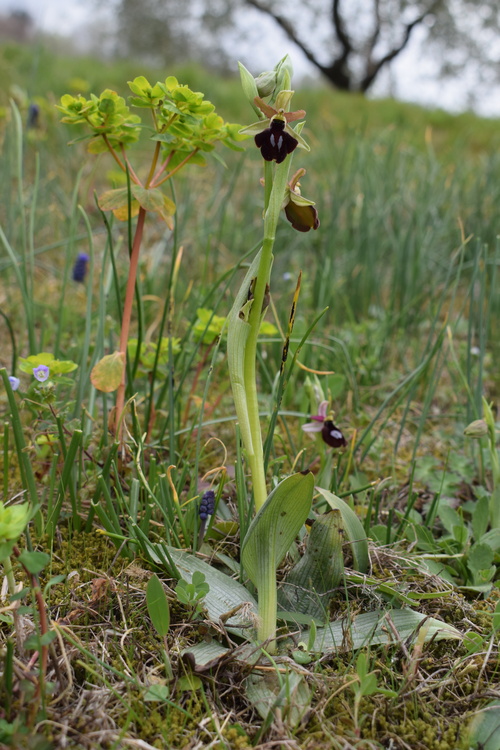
323 422
300 212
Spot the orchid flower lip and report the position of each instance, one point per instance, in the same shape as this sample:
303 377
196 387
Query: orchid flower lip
274 142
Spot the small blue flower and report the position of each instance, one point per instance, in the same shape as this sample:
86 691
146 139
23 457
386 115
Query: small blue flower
41 373
14 382
80 267
33 115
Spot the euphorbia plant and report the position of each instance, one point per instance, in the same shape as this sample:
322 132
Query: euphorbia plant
183 128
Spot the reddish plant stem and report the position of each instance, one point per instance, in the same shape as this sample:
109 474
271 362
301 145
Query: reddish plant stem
162 168
113 152
154 162
133 175
154 182
127 315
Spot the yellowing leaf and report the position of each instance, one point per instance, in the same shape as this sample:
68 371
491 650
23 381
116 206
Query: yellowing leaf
167 211
151 199
106 375
112 199
122 213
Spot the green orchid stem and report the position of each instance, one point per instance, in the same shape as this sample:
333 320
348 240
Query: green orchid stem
271 218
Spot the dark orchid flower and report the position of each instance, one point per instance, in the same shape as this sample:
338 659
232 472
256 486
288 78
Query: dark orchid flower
300 212
274 142
323 422
278 139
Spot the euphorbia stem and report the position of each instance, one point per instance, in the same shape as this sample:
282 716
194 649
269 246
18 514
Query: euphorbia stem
127 315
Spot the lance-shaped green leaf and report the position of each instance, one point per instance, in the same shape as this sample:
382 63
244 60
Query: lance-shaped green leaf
380 626
269 538
353 529
226 598
309 586
158 607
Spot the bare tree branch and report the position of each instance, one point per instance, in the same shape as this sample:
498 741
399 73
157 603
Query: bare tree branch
340 31
338 71
375 67
287 28
376 33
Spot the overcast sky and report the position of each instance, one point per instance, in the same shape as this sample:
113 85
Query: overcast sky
409 78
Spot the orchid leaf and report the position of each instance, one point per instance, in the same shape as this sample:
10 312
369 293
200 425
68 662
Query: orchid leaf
276 525
309 586
287 693
484 729
158 607
269 538
237 336
353 528
225 594
379 626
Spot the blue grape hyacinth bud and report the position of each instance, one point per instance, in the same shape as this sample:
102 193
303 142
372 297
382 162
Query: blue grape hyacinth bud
80 267
207 505
33 115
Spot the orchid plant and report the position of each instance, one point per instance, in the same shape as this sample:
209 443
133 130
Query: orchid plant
281 514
